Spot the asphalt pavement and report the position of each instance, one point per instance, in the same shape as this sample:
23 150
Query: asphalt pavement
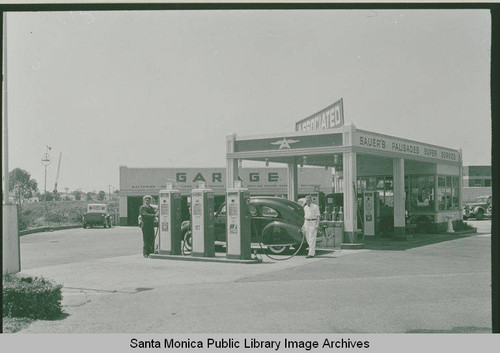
434 286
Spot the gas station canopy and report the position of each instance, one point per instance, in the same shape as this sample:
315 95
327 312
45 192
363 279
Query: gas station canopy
361 156
321 147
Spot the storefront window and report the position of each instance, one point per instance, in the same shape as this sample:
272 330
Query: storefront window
382 185
389 194
361 185
448 192
441 193
380 190
371 184
455 193
422 193
407 192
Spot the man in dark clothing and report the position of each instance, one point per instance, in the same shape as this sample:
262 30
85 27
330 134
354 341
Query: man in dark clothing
148 214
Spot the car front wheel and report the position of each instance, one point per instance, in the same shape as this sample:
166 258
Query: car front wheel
480 215
278 249
187 244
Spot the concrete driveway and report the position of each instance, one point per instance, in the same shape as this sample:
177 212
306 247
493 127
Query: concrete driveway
110 288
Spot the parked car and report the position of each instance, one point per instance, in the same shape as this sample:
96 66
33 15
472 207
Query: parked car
97 214
275 223
481 206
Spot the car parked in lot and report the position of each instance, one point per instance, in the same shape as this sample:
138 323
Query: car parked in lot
275 223
97 214
480 207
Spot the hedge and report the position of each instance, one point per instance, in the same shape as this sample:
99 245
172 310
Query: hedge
31 297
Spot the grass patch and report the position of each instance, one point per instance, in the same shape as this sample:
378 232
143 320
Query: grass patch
15 324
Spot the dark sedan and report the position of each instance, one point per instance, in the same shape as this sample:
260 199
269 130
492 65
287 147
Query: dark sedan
275 223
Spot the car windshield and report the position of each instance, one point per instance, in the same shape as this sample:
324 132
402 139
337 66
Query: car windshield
481 199
251 209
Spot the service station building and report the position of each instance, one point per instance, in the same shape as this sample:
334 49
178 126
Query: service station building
422 179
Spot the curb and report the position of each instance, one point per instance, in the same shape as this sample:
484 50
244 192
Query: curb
206 259
460 232
47 229
352 246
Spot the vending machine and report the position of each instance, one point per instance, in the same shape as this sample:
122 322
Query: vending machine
370 212
170 236
238 224
202 222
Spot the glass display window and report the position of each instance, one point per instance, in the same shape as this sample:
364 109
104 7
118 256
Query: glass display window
422 190
455 192
448 193
371 184
441 193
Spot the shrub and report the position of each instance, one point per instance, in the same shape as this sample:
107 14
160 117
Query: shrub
460 225
54 218
31 297
22 223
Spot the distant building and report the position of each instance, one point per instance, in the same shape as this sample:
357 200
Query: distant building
476 181
477 176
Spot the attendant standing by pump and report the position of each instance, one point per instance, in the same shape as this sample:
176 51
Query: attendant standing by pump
311 225
148 214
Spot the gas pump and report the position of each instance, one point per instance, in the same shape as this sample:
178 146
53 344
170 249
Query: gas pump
370 214
170 222
202 222
238 226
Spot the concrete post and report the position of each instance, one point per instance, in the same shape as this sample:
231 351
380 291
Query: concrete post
11 257
293 193
398 177
350 203
350 179
231 163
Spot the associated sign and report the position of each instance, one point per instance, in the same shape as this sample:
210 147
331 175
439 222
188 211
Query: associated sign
329 118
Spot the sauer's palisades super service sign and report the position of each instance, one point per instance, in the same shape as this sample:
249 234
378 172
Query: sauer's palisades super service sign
406 148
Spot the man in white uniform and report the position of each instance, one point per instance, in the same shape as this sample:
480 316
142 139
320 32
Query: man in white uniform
311 224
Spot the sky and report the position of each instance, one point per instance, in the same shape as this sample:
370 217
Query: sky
164 88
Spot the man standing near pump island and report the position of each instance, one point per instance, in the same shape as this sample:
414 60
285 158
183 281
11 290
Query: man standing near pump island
148 214
311 224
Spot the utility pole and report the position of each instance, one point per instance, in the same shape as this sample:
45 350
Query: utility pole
46 162
5 120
